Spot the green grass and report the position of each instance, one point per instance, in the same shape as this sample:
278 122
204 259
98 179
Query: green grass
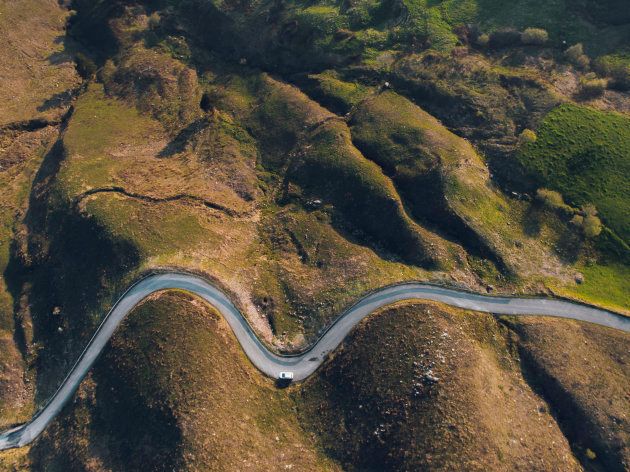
587 21
324 19
155 229
604 284
332 92
583 154
98 124
333 169
441 178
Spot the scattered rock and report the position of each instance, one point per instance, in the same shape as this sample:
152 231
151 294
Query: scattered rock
429 378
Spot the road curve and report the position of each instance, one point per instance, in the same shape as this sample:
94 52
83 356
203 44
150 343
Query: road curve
305 363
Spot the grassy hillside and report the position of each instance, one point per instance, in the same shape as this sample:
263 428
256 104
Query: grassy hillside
583 153
300 155
444 181
37 69
38 79
415 386
421 387
154 403
582 371
601 25
298 35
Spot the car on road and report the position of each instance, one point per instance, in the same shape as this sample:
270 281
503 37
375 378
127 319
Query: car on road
285 376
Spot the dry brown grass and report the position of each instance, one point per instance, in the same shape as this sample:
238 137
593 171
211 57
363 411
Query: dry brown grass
373 405
33 65
584 371
200 404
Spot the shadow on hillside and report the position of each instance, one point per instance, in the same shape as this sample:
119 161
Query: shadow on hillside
64 267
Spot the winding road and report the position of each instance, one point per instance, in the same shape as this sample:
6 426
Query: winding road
301 365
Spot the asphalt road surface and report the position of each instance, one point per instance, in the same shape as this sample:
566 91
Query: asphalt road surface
306 363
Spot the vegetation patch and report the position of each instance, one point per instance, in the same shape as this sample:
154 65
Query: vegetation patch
441 178
333 169
604 283
582 153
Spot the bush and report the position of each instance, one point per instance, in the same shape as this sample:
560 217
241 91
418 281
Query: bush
574 52
534 36
592 87
583 62
527 136
589 210
85 66
592 226
621 77
589 221
577 220
575 55
617 67
482 40
550 199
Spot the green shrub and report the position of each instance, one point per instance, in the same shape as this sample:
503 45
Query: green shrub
575 55
592 226
621 77
591 455
483 40
588 221
583 153
615 66
592 87
577 220
574 52
527 136
550 198
534 36
589 209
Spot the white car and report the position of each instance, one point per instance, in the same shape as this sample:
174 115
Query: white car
285 376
